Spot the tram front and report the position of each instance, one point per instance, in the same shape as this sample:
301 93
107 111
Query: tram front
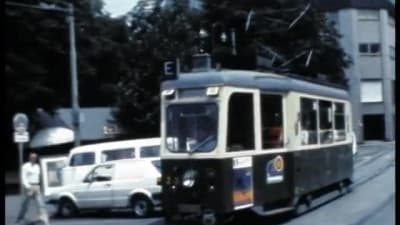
197 177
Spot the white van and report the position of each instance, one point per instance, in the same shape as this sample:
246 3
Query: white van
118 184
59 171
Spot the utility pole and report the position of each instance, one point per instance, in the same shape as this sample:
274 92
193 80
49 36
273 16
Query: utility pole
69 12
74 77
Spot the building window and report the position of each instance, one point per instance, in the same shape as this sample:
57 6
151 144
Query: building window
272 123
368 15
369 48
240 122
308 121
371 91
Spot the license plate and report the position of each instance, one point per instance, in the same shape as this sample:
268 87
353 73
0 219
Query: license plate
189 208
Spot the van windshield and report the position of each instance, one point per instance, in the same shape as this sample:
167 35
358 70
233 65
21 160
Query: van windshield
191 127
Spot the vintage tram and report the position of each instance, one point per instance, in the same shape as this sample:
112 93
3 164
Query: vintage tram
234 140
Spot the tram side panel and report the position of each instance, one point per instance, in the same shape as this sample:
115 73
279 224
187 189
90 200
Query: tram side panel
317 168
273 180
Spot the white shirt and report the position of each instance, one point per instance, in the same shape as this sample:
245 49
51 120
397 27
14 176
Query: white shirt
30 174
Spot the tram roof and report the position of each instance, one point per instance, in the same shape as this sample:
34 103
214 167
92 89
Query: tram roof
252 79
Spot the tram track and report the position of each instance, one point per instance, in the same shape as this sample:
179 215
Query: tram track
379 163
370 158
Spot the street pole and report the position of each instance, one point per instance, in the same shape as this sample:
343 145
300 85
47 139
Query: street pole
21 162
74 77
69 11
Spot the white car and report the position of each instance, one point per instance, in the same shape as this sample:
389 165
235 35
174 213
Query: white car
83 158
128 183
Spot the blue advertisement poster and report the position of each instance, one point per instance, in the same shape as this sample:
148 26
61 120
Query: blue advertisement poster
242 183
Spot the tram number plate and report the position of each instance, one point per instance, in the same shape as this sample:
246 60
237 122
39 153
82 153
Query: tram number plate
189 208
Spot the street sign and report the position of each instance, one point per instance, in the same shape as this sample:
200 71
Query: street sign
20 122
170 70
21 137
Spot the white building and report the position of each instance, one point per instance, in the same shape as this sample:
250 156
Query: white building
368 29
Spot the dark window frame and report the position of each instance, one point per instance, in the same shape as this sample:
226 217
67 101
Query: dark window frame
266 144
313 129
235 147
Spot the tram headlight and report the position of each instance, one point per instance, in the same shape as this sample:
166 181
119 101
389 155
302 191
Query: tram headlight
212 91
189 178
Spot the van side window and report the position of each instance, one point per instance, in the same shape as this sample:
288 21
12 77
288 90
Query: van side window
271 118
325 122
240 122
308 121
116 154
150 151
339 126
82 159
106 170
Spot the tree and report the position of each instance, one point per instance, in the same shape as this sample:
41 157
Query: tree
164 34
295 31
37 57
37 72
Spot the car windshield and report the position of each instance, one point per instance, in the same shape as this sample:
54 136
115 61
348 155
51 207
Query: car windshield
191 127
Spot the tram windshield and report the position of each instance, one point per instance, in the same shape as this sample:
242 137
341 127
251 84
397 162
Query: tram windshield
191 127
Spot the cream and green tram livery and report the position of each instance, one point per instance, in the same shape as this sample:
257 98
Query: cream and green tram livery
235 140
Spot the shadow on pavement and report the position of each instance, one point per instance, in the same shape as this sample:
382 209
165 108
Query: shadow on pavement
107 214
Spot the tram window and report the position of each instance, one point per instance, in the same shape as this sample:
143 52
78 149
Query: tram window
325 122
271 117
309 133
339 126
240 122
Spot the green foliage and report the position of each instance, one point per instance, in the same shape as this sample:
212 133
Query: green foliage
37 55
269 26
162 35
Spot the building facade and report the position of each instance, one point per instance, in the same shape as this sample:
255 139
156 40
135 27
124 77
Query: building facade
368 36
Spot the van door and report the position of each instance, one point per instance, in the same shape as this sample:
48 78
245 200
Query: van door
52 174
95 190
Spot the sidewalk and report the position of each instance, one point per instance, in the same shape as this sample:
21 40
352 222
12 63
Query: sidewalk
12 206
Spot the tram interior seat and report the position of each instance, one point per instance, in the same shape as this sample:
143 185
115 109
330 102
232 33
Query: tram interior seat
274 137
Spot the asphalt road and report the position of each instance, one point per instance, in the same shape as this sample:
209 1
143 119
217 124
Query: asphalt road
370 203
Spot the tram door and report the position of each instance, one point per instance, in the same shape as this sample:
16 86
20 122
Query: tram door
240 137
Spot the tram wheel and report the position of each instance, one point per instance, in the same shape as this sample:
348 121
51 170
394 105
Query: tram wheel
341 188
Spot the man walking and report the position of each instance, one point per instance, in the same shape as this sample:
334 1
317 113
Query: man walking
31 183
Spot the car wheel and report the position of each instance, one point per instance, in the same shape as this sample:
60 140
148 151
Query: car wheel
66 208
141 206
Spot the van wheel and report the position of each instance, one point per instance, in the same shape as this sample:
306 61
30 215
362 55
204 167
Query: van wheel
66 208
141 206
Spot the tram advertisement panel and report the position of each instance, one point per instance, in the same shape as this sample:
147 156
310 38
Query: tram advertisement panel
242 182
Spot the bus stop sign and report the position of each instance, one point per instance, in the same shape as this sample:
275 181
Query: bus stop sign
20 122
